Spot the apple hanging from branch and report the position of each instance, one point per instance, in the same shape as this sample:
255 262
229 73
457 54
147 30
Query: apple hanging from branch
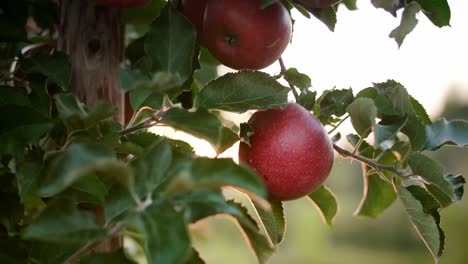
290 150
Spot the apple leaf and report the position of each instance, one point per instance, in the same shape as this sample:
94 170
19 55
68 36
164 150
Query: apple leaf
327 14
273 220
390 6
79 160
350 4
53 253
55 66
392 99
170 49
445 132
63 222
203 124
326 204
333 103
432 172
21 125
117 257
162 244
205 173
29 175
407 24
151 167
195 258
426 223
300 80
363 113
386 131
13 250
379 194
242 91
420 111
257 241
437 11
267 3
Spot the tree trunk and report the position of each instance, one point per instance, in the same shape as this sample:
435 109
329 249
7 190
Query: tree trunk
93 37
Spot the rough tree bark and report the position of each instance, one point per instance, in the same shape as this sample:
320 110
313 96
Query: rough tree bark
93 37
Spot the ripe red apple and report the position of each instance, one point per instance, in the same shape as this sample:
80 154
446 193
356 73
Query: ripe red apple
290 150
194 11
317 3
123 3
241 35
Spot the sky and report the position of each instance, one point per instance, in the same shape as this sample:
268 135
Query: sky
359 53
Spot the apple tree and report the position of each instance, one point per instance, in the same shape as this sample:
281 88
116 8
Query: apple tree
82 82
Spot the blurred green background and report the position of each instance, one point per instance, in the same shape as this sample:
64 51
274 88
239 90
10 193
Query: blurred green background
388 239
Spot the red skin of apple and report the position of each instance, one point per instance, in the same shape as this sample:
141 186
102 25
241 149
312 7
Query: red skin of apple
123 3
290 150
243 36
317 3
194 11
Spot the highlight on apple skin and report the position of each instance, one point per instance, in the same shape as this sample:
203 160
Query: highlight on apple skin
290 150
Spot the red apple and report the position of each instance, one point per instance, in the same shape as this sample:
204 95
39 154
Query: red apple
241 35
194 11
317 3
290 150
123 3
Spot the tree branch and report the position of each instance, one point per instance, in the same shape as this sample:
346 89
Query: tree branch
147 123
377 166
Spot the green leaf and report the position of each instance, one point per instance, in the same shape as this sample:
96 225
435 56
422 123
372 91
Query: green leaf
407 24
432 172
350 4
327 15
170 45
438 11
114 258
143 14
165 236
386 131
379 194
152 166
13 96
273 220
202 173
242 91
55 66
300 80
203 124
13 251
63 222
39 96
392 99
363 113
325 202
426 225
29 176
445 132
21 125
195 258
257 241
390 6
266 3
52 253
335 102
420 111
89 189
307 100
78 161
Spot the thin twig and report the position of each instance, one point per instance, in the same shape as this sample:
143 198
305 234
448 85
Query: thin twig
377 166
147 123
283 70
339 124
114 232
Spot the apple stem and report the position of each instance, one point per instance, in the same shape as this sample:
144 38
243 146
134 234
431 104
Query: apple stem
293 88
377 166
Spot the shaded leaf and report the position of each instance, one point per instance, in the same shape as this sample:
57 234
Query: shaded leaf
203 124
273 220
407 24
326 204
162 244
426 225
242 91
55 66
437 11
114 258
445 132
63 222
363 113
300 80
